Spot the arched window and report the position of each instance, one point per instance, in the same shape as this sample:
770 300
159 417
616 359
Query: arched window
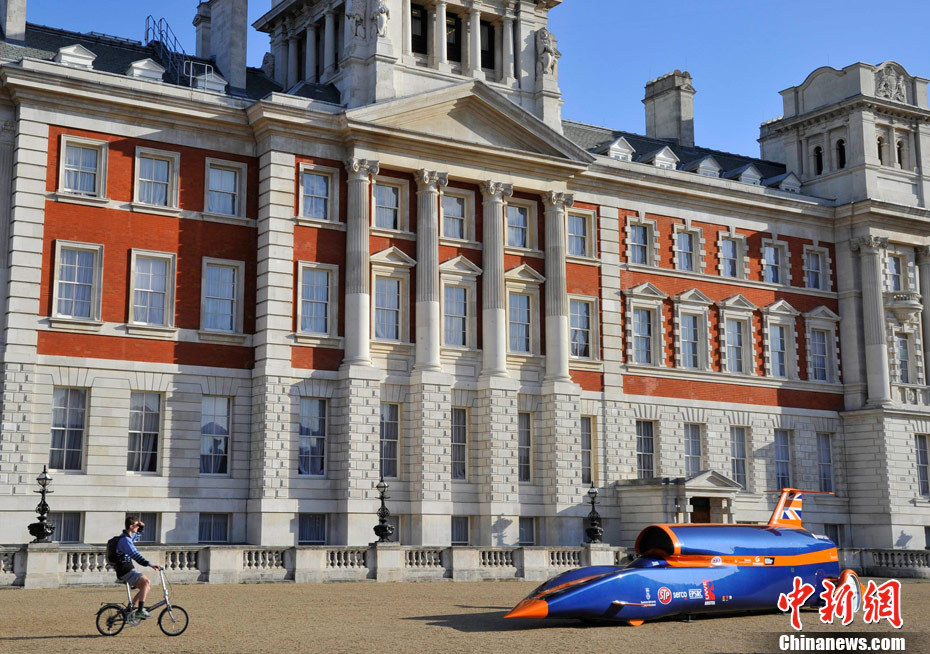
818 160
899 152
880 142
841 154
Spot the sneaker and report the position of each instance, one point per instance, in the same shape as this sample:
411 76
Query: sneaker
142 614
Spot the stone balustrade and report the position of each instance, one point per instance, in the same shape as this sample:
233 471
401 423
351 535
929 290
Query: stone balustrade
53 566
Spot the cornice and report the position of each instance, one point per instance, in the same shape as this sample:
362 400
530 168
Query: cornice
822 114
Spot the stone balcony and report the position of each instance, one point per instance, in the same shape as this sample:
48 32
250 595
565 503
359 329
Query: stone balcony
904 305
911 396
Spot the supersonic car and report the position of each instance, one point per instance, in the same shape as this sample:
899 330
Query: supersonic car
697 568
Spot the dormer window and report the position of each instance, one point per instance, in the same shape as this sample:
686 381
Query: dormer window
419 29
621 150
818 160
841 154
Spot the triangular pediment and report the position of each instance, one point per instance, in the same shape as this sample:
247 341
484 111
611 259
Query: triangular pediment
75 55
459 266
781 307
737 302
524 273
621 150
821 313
646 290
392 256
711 480
693 296
472 113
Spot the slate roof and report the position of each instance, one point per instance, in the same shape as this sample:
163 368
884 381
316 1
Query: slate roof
114 54
597 140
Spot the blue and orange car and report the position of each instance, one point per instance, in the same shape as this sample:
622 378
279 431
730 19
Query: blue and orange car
689 569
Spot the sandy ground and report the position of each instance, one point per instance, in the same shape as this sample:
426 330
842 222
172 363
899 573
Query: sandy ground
413 617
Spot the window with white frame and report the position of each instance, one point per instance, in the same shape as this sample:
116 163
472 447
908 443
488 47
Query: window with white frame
642 246
897 277
923 464
78 285
688 250
583 333
387 308
311 529
819 357
153 275
319 286
214 435
319 193
67 526
738 455
645 449
69 422
690 341
775 262
587 449
388 206
213 528
460 535
151 522
225 188
902 358
455 316
736 317
459 280
144 427
644 325
580 235
825 461
390 439
524 446
778 350
782 459
692 449
822 363
730 258
519 228
816 275
390 271
458 215
157 174
520 319
780 319
643 336
692 317
311 453
522 285
459 443
83 167
527 536
736 346
222 299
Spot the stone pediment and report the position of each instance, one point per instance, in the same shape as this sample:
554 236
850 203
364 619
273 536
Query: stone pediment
694 296
781 307
524 273
711 480
474 114
646 290
459 266
822 313
737 302
392 256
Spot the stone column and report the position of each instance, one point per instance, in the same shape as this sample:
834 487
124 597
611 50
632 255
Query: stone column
494 311
873 318
358 280
310 55
292 64
508 59
428 314
923 273
440 60
557 333
474 42
407 46
329 42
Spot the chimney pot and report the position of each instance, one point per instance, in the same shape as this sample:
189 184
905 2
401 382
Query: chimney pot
670 108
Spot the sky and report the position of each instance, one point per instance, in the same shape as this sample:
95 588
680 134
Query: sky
740 53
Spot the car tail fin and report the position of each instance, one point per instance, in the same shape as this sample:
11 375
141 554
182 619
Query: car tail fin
787 511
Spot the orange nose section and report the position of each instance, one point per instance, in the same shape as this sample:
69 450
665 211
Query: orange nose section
529 608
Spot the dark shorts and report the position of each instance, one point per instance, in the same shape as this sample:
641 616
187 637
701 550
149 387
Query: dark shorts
131 577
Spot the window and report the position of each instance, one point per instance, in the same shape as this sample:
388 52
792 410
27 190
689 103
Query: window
923 480
639 244
578 236
587 449
645 450
735 335
214 435
315 288
642 336
825 461
773 260
692 449
459 444
152 288
520 322
311 529
818 160
685 245
835 533
731 258
157 177
778 350
454 221
144 425
813 269
518 226
387 206
895 273
782 459
899 153
67 526
77 281
738 455
226 187
690 341
524 446
841 154
390 439
387 308
455 317
214 528
419 29
527 532
69 406
460 535
84 167
487 45
150 533
453 38
880 144
902 357
819 361
581 328
222 295
319 194
311 457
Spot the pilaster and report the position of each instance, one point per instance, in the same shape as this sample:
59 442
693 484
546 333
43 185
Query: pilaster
559 456
329 42
923 274
494 312
358 282
428 312
474 43
557 332
310 54
849 288
873 318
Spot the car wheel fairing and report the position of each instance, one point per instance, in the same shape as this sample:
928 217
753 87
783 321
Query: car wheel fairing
851 579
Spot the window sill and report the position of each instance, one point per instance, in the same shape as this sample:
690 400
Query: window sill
392 233
585 261
520 359
152 331
75 324
523 252
321 224
74 198
226 338
391 347
585 364
226 219
318 340
154 208
459 243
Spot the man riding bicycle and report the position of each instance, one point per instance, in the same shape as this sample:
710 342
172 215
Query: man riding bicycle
126 553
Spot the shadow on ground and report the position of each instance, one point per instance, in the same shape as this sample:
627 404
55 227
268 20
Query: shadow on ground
490 621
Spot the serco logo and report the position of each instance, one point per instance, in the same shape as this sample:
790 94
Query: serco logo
665 595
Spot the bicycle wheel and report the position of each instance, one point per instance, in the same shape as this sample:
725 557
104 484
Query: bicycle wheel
173 621
110 620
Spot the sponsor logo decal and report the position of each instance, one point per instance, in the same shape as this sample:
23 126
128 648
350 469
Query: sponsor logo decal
648 596
709 597
680 594
664 595
757 560
716 561
695 593
769 560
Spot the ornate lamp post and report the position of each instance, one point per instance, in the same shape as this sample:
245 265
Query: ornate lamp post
42 530
595 531
383 530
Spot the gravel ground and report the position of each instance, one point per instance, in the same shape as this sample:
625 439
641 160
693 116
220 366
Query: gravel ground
412 617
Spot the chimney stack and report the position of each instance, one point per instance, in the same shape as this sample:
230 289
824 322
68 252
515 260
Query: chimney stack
670 108
13 20
222 30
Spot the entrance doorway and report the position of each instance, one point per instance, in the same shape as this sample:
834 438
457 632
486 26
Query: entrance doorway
700 509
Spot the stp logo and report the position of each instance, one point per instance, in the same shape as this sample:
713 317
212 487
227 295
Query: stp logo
665 595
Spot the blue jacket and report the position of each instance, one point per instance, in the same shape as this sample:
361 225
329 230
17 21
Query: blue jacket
126 553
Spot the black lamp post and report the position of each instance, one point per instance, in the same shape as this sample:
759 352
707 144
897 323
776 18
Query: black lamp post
383 530
42 530
595 531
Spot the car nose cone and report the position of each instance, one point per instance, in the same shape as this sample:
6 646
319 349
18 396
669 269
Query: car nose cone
529 608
